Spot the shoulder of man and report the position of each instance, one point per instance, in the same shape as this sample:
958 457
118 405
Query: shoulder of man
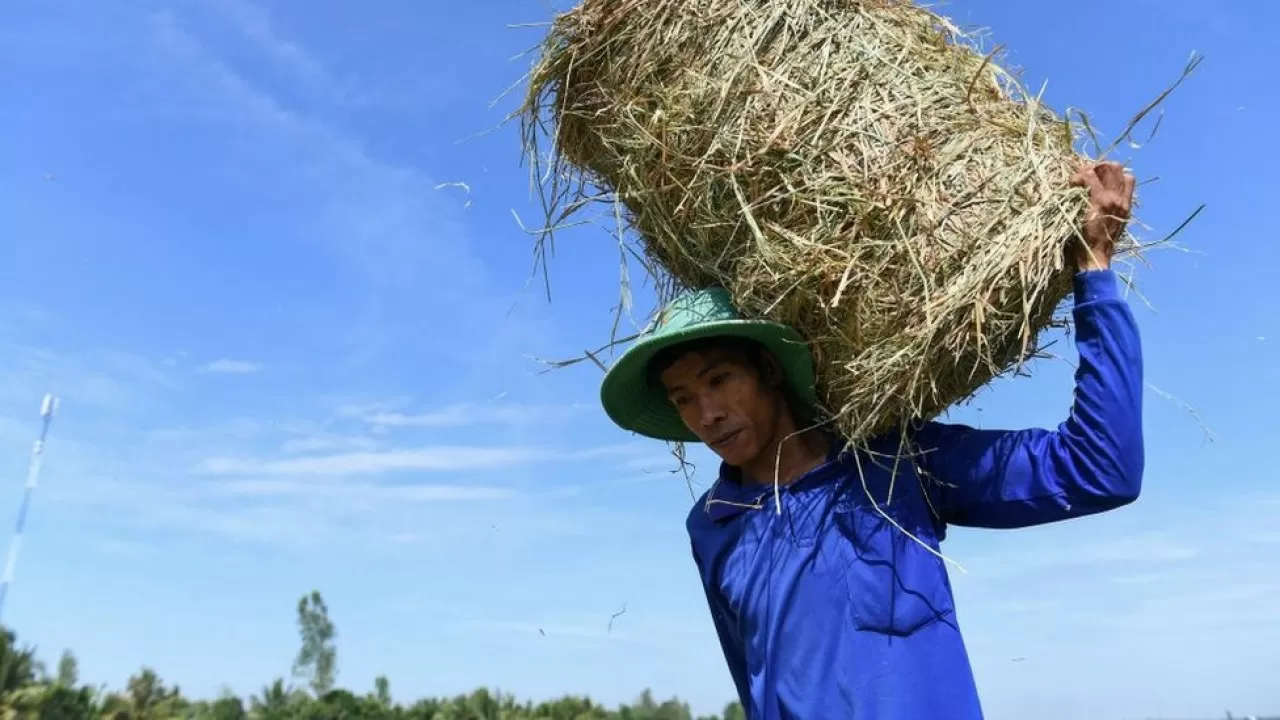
699 518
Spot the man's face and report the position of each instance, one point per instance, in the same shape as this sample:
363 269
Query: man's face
723 399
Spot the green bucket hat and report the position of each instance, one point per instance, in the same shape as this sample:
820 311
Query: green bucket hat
634 404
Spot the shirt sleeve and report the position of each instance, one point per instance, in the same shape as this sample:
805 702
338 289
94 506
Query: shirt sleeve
730 643
1092 462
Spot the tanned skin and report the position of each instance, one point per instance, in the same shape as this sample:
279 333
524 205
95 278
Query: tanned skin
1110 203
736 404
739 409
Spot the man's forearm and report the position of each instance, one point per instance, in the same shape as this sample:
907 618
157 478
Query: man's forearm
1104 433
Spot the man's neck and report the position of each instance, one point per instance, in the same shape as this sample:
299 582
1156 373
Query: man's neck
799 454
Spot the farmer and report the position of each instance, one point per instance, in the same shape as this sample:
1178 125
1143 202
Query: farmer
826 600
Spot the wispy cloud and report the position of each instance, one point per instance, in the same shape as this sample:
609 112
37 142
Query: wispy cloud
118 477
292 472
429 459
441 458
264 476
231 367
307 514
1185 607
255 25
287 512
1142 549
1139 578
471 414
102 380
361 492
408 247
1265 537
322 442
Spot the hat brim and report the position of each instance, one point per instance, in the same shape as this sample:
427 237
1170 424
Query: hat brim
634 404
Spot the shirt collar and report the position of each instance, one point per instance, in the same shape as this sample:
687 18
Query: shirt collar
729 496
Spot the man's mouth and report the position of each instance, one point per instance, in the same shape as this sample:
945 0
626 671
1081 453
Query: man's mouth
725 439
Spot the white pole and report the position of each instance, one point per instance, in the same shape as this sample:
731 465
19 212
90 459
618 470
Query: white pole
47 410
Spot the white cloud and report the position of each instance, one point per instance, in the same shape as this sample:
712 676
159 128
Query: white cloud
311 514
254 24
321 442
1141 548
407 248
1139 579
119 475
1137 549
470 414
291 512
439 458
266 478
139 369
231 367
113 381
374 214
1265 537
361 492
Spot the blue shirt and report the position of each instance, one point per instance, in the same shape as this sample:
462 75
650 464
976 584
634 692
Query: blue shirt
829 610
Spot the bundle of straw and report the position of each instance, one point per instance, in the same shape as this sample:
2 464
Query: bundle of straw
853 168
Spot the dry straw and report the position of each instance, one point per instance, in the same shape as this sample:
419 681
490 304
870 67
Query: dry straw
854 168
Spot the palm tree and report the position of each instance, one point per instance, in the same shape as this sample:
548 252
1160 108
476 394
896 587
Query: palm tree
275 702
18 666
145 698
50 700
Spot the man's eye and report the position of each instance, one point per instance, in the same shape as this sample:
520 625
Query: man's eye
719 378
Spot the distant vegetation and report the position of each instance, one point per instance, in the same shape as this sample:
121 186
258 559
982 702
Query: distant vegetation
28 691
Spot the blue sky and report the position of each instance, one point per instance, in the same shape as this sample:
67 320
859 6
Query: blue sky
292 355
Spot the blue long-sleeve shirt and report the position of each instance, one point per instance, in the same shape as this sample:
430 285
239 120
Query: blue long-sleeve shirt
828 610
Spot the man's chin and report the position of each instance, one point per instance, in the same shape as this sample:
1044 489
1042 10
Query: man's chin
727 458
731 453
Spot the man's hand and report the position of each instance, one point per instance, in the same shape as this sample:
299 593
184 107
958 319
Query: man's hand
1110 201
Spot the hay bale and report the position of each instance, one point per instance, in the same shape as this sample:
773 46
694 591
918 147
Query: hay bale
855 168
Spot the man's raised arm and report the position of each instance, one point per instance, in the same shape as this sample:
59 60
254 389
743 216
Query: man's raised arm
1092 462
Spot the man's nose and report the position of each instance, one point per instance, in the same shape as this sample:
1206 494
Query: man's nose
711 415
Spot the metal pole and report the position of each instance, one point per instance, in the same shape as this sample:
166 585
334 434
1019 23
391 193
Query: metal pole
47 410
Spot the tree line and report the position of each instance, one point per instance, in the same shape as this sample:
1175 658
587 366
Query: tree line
29 691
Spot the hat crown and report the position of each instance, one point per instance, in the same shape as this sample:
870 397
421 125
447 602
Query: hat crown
633 403
694 308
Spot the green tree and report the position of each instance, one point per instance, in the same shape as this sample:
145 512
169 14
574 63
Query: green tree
50 701
275 702
145 698
338 705
317 659
18 666
68 670
26 694
227 707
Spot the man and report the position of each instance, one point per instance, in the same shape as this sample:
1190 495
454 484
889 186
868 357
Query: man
829 596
